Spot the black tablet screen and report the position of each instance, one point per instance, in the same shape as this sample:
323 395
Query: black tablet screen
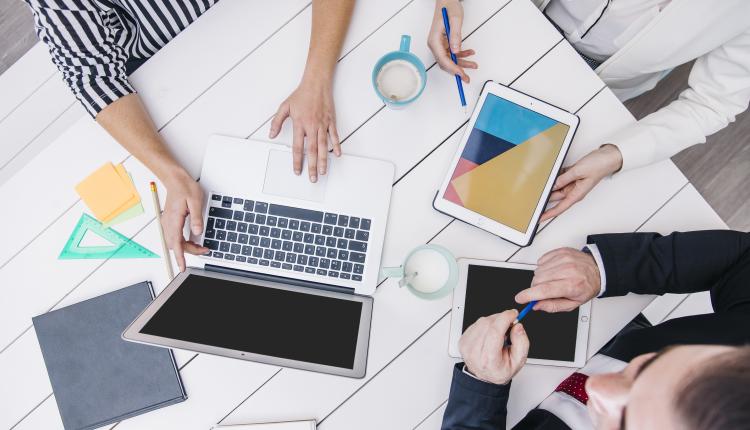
490 290
261 320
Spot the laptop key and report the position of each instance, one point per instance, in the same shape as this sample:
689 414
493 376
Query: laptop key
299 248
298 236
221 223
320 251
343 255
315 228
343 220
276 244
333 274
327 230
298 213
312 261
217 255
310 270
268 254
331 253
229 257
291 257
298 268
283 222
302 259
242 239
304 226
287 246
330 219
225 204
338 232
236 248
265 242
345 275
322 272
221 235
258 252
242 227
365 224
254 240
331 242
286 234
279 256
357 257
349 233
357 246
275 232
320 240
261 207
220 212
265 231
353 222
231 225
363 235
356 278
249 217
247 250
210 223
294 224
211 244
253 229
309 249
359 269
342 244
325 263
241 258
260 219
232 236
286 266
237 200
248 205
252 260
347 267
265 263
336 265
210 233
309 238
224 247
216 197
238 216
271 220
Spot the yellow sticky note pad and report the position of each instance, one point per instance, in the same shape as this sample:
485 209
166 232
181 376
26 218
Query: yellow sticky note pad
108 192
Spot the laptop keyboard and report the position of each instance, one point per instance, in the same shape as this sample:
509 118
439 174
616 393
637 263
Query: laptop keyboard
287 238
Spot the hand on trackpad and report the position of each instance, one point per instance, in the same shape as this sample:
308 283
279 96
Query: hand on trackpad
281 180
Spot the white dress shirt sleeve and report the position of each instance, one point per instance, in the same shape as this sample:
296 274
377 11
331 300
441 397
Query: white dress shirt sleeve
594 250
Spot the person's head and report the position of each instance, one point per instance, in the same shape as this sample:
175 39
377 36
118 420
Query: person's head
696 387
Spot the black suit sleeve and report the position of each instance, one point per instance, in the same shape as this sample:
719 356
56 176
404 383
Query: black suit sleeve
474 404
648 263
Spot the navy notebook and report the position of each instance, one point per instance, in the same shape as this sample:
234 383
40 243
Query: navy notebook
97 377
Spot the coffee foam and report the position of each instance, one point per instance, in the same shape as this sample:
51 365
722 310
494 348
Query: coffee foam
399 80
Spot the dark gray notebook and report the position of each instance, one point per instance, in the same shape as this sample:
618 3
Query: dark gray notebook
97 377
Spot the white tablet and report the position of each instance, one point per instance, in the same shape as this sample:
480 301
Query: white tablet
489 287
507 162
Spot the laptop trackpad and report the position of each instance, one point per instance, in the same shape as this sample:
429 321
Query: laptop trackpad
281 180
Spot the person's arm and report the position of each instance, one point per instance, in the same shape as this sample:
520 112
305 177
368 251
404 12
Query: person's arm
128 122
311 105
719 89
479 400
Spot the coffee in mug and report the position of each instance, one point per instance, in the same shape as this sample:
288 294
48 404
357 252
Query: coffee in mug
399 80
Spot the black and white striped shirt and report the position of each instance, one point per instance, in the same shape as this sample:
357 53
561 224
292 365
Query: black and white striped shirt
93 42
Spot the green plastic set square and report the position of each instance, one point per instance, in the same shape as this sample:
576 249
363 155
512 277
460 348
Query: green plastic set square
121 246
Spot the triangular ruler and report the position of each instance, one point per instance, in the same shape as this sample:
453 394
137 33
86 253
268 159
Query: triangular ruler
122 247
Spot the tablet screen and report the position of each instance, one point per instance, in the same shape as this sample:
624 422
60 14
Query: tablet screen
506 162
261 320
490 290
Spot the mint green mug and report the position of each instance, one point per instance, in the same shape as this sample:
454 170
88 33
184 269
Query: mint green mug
429 272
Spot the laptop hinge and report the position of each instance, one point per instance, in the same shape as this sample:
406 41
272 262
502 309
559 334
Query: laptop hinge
280 279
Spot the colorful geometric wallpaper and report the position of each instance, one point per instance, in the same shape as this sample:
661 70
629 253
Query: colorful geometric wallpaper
506 162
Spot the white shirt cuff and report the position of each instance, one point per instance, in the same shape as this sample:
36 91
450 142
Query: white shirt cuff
594 250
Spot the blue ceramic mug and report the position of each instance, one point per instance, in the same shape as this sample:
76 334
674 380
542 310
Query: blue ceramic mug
399 77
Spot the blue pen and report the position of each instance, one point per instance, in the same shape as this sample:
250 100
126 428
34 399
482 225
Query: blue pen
524 311
453 57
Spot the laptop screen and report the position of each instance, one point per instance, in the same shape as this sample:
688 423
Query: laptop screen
261 320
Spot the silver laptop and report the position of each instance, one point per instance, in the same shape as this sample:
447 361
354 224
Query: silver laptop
292 266
261 217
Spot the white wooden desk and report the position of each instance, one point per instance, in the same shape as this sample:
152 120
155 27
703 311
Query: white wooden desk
225 76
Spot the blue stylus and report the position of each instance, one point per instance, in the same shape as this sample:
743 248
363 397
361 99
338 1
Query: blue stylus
453 57
524 311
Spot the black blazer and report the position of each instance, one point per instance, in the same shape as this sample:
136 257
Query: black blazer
643 263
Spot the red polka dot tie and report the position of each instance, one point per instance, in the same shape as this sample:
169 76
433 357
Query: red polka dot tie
575 386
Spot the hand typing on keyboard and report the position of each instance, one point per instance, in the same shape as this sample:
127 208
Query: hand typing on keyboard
184 197
287 238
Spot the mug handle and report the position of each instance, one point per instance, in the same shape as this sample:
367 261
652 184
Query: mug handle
393 272
405 42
